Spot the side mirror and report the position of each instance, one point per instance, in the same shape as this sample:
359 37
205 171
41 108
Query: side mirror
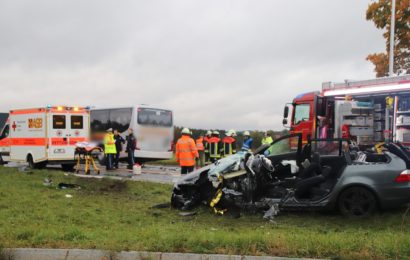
285 121
286 112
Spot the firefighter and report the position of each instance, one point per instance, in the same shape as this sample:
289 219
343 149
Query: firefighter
206 145
200 147
247 142
215 147
267 139
109 149
229 144
186 152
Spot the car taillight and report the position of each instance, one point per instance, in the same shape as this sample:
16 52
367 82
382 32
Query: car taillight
403 177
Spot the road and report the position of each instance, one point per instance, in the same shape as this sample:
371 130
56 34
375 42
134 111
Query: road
151 173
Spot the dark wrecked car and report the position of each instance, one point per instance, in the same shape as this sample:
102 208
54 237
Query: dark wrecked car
323 174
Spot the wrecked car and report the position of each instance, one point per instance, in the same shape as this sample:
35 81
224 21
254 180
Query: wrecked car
286 175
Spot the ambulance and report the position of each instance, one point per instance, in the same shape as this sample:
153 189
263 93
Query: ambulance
44 135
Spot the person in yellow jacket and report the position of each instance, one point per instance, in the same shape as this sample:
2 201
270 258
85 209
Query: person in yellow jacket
267 139
109 149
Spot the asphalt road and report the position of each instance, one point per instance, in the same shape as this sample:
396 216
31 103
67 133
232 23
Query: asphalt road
151 173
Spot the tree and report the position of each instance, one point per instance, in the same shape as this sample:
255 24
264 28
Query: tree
380 13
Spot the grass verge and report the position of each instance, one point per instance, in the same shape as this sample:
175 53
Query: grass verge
116 215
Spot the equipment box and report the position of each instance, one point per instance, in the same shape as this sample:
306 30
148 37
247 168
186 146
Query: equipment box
358 131
403 120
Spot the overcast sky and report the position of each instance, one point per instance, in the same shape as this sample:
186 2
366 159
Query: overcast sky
216 64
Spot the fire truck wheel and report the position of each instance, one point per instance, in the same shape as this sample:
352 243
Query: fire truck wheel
68 167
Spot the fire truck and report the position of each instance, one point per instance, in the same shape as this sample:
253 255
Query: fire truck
44 135
366 112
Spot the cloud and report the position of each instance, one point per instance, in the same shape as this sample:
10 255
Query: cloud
217 64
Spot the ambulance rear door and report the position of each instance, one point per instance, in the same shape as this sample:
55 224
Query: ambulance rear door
78 129
59 134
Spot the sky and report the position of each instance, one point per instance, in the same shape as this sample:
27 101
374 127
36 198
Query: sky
218 64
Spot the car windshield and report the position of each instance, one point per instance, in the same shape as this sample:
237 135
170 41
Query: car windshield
228 164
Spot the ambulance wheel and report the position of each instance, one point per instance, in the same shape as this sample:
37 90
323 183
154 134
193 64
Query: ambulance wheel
1 161
68 167
34 165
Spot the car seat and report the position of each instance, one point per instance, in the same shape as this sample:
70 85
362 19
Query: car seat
312 176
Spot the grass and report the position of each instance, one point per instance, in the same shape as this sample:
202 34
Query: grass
116 215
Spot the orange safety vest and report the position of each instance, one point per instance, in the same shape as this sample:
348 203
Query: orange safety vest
186 151
200 144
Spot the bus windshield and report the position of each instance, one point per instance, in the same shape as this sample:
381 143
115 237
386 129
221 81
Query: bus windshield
154 117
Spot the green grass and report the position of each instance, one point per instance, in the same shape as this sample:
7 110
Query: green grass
115 215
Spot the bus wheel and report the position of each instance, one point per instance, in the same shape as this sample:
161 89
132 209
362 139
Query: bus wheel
68 167
1 160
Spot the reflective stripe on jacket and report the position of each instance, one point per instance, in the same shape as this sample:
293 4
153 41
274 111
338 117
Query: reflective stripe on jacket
109 144
200 144
215 147
186 151
229 145
247 144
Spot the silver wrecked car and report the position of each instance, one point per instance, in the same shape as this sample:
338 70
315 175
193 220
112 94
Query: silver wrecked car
286 175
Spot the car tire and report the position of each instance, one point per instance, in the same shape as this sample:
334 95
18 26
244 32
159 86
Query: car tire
357 202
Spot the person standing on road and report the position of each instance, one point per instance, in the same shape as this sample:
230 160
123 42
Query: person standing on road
200 147
267 139
109 149
247 142
131 146
229 144
206 145
186 152
118 146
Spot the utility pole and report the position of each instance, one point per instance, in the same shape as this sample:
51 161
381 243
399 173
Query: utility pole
392 24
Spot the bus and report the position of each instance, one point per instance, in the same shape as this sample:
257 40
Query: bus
153 129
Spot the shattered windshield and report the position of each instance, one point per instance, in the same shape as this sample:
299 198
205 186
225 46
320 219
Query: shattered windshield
229 164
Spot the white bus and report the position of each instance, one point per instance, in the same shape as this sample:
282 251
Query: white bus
153 128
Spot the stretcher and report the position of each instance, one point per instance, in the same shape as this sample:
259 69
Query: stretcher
83 152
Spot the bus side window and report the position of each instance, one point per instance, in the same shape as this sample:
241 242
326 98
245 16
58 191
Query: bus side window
59 122
5 132
100 120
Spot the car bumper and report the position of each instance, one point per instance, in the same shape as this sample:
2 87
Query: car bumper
394 196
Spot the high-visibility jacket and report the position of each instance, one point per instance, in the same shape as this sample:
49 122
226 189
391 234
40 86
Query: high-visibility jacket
109 144
200 144
229 145
186 151
215 147
206 144
247 144
267 140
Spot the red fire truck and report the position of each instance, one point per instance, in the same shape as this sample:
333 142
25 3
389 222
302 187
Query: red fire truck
367 111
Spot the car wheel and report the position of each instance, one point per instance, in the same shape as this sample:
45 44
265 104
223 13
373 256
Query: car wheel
357 202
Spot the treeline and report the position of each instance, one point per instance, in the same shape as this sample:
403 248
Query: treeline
256 135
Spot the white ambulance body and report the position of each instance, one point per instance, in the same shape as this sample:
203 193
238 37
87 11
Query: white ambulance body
44 135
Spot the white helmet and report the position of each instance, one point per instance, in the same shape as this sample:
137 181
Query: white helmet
246 133
209 132
232 132
215 133
186 131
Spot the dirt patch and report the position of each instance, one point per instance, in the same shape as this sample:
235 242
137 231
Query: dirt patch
117 186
